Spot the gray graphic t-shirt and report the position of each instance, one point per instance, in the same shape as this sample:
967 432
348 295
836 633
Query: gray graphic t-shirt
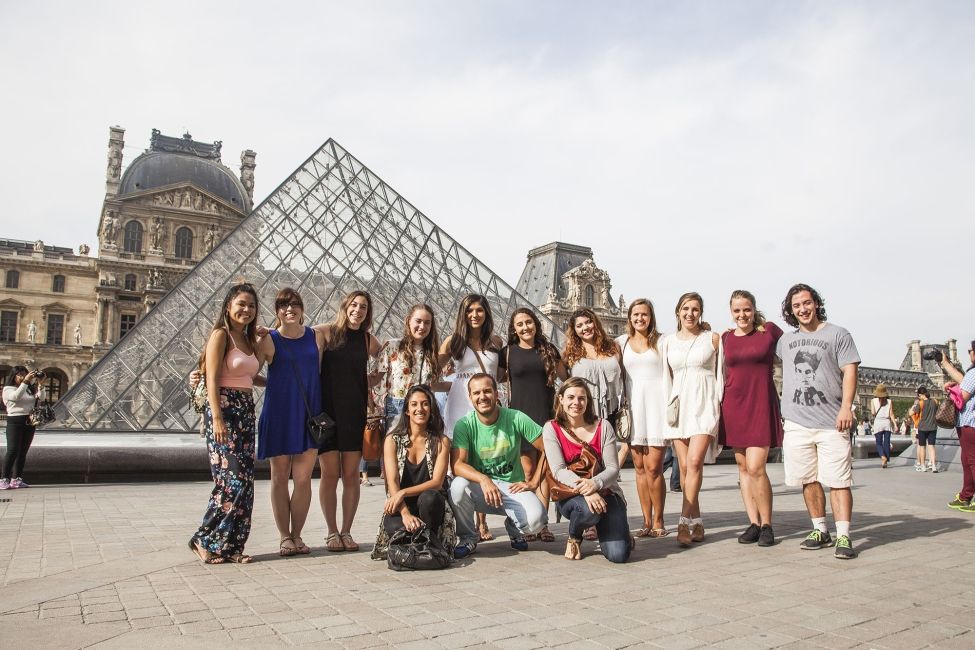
812 384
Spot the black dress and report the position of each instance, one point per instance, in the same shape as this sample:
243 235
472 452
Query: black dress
345 391
530 392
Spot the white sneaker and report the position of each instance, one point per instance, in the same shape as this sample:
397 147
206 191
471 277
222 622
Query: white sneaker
918 468
935 469
4 483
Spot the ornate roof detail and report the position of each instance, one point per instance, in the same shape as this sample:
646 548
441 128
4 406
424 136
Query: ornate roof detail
186 144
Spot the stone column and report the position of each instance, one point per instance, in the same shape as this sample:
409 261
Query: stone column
100 321
915 347
953 351
113 173
247 166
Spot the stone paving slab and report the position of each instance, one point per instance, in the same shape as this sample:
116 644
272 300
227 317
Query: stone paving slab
106 566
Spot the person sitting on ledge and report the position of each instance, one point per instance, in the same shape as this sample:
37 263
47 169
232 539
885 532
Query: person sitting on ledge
415 458
488 476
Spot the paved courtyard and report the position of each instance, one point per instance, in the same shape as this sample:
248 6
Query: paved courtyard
107 566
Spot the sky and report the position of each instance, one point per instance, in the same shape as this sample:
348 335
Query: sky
694 146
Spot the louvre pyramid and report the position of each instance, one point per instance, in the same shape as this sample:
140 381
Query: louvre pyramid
333 226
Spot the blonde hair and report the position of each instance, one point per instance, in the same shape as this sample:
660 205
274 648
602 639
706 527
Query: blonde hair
747 295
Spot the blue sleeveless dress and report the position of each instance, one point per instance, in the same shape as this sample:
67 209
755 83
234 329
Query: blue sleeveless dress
282 429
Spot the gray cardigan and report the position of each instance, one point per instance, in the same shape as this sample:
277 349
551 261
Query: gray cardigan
608 478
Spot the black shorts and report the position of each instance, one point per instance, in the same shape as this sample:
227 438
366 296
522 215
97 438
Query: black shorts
925 438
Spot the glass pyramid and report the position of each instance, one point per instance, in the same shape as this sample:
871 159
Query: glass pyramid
333 226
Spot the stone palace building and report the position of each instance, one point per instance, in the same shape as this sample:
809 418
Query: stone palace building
61 310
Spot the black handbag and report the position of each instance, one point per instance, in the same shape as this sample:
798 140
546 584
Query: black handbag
321 427
416 551
41 414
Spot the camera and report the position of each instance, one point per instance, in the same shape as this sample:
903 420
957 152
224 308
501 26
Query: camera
39 374
933 355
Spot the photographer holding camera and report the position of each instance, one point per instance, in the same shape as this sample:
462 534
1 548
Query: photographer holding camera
19 398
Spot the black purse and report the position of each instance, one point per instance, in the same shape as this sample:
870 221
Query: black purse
416 551
321 427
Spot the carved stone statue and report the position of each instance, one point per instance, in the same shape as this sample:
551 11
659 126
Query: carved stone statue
110 229
155 279
604 296
38 246
114 161
210 238
155 234
32 332
622 305
574 295
187 200
83 249
77 334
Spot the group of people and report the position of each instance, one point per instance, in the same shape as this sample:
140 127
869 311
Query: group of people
523 422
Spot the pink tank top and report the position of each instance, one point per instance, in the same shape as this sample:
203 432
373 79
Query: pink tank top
571 450
238 369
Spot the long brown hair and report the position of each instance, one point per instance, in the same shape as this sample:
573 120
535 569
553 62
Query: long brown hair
430 344
545 349
222 321
340 326
652 334
574 350
434 425
589 416
462 327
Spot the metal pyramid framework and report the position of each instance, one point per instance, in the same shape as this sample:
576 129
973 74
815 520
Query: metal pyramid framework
330 228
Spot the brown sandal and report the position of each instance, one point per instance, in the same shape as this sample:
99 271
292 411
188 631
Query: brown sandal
546 535
334 543
590 535
240 558
646 531
287 551
348 543
205 556
300 546
658 532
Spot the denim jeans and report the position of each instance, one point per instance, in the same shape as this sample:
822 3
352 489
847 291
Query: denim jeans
670 460
883 443
523 511
394 407
612 528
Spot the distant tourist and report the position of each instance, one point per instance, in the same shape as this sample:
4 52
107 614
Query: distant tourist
694 359
488 476
884 422
531 365
294 393
472 348
750 419
925 408
345 394
646 382
416 454
964 501
819 380
230 363
576 430
20 395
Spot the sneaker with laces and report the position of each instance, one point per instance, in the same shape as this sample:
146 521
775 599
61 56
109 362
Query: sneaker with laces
844 548
519 543
750 536
958 502
4 483
18 483
816 540
463 550
765 536
970 508
918 467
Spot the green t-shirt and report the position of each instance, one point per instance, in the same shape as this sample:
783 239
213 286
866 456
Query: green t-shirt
495 450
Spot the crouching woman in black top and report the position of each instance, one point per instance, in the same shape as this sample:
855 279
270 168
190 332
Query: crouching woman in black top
415 459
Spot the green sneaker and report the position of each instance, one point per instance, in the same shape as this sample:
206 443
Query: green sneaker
970 508
816 540
957 502
844 548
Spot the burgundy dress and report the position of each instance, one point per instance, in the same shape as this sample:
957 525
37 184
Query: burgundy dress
750 407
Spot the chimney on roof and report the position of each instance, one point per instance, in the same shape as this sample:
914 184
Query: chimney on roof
915 347
953 351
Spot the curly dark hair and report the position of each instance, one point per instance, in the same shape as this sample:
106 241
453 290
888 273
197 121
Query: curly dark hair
787 314
548 353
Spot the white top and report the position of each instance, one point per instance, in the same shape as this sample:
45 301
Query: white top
881 420
698 379
605 380
647 386
458 401
17 400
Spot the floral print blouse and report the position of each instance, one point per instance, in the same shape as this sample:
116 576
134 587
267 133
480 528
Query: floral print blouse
398 376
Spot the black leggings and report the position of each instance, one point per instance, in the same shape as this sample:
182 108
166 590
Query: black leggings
19 436
428 506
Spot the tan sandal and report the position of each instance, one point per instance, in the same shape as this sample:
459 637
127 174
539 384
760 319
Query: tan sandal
334 543
300 546
573 550
646 531
546 535
240 558
348 543
287 551
658 532
205 556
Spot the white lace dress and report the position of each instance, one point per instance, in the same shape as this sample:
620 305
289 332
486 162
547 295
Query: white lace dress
647 387
458 402
699 381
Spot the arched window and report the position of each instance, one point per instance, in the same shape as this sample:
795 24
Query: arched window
184 243
53 385
13 279
130 282
58 284
132 242
590 296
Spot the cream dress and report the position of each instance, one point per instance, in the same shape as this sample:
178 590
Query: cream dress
698 378
647 382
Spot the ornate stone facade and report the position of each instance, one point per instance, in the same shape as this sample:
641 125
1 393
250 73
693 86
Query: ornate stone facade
160 216
559 278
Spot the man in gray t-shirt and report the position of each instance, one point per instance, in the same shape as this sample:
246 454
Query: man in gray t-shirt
819 380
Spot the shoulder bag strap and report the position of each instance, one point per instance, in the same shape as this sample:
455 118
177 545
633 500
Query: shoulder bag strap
479 362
